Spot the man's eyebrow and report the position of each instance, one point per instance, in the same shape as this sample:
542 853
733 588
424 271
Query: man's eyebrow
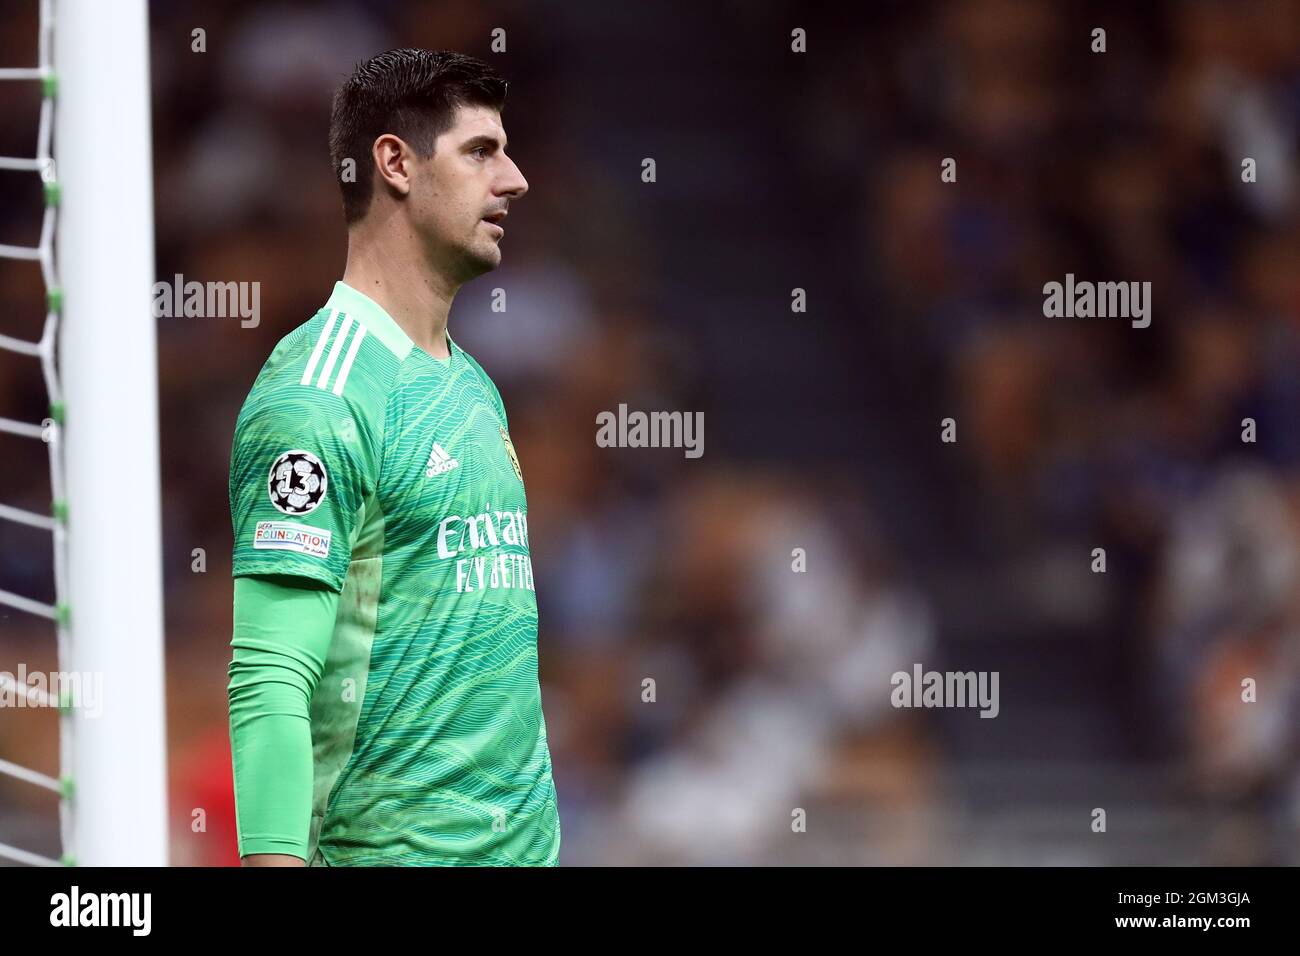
483 139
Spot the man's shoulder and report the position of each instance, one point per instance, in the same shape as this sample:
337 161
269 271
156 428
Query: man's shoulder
474 364
486 379
328 363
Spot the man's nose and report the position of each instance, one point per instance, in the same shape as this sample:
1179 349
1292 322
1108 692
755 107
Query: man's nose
514 184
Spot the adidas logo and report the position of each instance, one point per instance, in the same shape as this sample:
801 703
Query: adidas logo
439 462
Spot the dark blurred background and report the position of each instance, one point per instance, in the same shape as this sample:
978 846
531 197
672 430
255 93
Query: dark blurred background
820 171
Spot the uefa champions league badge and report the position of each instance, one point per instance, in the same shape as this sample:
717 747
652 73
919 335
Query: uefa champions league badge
297 483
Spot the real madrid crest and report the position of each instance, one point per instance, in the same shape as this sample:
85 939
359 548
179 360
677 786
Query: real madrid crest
510 450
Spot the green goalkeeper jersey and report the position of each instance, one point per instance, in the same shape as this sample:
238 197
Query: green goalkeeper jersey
387 475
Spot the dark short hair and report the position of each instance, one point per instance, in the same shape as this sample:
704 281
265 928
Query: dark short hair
410 93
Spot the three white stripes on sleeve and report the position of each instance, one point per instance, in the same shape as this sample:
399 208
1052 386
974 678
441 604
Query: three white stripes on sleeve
335 351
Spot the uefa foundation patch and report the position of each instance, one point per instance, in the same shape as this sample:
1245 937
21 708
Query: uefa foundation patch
287 536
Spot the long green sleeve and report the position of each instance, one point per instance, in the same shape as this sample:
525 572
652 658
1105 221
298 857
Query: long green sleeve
281 636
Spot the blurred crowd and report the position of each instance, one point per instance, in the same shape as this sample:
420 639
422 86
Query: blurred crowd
718 634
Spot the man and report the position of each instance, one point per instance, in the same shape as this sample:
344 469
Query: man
384 703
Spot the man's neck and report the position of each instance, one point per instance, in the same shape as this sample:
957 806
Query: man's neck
386 265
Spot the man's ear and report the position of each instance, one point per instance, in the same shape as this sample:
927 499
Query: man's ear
392 158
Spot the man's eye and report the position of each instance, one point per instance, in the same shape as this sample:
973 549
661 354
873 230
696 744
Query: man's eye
479 151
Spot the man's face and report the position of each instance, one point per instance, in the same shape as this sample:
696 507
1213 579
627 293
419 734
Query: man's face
468 180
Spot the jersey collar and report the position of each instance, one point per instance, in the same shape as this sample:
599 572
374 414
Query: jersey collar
371 314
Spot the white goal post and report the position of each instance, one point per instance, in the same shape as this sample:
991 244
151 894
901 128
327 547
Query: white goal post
108 368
